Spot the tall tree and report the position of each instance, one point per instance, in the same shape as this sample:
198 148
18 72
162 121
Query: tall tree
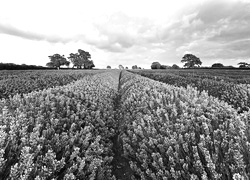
57 61
81 59
243 65
75 59
135 67
191 61
156 65
89 64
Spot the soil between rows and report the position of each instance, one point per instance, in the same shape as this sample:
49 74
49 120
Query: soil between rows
120 165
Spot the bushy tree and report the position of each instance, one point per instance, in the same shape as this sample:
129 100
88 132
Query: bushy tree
89 64
81 59
191 61
76 61
57 61
108 67
164 67
217 65
175 66
156 65
243 65
134 67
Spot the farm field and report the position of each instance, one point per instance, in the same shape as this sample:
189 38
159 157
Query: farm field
21 81
231 86
113 124
230 75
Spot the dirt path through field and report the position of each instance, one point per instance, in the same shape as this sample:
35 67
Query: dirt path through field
121 169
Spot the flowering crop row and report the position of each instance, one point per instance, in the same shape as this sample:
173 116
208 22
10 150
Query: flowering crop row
237 95
181 133
230 79
168 132
20 82
59 133
231 76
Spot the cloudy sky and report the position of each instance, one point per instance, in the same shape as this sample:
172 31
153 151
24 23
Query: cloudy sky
126 32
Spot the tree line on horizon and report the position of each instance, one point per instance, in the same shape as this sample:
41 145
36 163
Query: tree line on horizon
80 60
13 66
190 60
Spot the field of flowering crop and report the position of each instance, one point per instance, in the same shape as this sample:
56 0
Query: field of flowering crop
112 124
229 88
13 82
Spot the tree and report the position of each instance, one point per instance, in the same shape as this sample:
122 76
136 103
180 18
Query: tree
126 67
175 66
230 67
121 67
75 59
243 65
108 67
81 59
164 67
217 65
85 56
156 65
89 64
191 61
134 67
57 61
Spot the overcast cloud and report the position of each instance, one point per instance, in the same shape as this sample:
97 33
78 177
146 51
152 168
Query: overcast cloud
127 33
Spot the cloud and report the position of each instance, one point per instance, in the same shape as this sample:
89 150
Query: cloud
125 34
231 30
119 32
212 30
11 30
213 10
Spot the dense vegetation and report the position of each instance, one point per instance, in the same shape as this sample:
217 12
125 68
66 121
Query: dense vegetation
20 82
228 75
180 133
225 88
61 132
67 131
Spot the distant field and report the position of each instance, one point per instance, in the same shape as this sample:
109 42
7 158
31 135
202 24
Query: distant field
232 86
118 125
24 81
226 74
